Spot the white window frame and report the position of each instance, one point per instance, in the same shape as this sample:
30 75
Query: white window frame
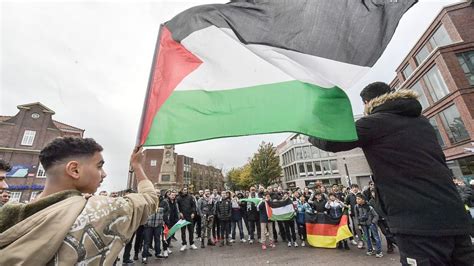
41 173
15 196
152 162
33 195
28 138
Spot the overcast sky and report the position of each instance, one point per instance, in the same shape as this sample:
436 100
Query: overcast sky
89 61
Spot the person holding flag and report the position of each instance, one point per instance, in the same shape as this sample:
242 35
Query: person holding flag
206 209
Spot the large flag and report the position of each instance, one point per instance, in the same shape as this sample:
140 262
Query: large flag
281 210
324 232
253 67
176 227
255 201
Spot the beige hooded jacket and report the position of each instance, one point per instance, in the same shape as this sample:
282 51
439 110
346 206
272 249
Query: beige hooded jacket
66 229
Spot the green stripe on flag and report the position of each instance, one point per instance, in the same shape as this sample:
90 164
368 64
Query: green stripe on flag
177 226
291 106
255 201
282 217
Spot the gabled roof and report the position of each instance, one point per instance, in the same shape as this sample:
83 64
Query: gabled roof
29 105
61 126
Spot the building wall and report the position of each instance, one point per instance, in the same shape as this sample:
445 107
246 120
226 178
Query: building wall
459 24
11 134
299 160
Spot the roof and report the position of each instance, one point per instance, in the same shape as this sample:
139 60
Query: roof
61 126
28 106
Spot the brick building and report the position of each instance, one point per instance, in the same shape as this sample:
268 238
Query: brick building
440 67
22 137
167 169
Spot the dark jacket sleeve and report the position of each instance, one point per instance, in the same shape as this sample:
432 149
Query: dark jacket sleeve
365 128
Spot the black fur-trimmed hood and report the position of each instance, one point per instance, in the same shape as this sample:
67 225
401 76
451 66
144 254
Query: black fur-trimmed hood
402 102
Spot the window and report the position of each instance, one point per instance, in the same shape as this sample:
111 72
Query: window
165 178
466 60
326 167
41 172
407 71
435 83
315 152
317 168
309 167
307 152
423 100
28 138
323 153
299 153
334 166
33 195
422 55
440 38
434 123
302 170
454 125
15 196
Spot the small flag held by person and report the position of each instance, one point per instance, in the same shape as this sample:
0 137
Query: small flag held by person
176 227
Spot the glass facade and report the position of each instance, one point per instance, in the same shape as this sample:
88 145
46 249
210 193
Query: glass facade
407 71
434 123
453 124
423 100
440 38
466 60
435 83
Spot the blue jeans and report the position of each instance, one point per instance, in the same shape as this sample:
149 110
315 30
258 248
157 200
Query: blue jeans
151 233
241 231
369 232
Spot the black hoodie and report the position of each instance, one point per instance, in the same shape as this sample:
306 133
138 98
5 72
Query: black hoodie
413 185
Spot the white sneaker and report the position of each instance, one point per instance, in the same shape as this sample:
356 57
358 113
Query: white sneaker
183 248
232 241
295 244
165 254
243 240
251 241
360 245
194 247
289 244
353 242
303 244
169 251
249 238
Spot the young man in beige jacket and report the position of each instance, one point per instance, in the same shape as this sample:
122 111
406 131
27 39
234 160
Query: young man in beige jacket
62 227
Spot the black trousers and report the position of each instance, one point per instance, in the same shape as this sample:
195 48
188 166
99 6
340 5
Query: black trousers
432 250
252 226
290 230
282 230
225 229
190 228
197 225
138 235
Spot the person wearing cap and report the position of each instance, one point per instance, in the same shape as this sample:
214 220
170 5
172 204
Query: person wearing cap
412 181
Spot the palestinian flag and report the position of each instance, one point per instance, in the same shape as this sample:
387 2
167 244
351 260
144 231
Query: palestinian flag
281 210
324 232
166 231
255 201
254 67
176 227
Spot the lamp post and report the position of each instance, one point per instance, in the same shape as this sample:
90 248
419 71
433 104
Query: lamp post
348 179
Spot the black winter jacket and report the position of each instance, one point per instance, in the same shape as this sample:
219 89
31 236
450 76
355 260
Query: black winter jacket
187 206
413 183
224 209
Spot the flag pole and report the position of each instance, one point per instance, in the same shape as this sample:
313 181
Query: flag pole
145 104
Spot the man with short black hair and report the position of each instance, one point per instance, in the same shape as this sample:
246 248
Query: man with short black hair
412 181
62 227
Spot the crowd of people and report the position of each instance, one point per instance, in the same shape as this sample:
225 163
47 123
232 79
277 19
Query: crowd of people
216 216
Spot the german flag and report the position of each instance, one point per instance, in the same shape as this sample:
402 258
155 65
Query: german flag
324 231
